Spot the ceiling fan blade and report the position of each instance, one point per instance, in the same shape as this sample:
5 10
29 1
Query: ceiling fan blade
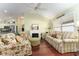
37 7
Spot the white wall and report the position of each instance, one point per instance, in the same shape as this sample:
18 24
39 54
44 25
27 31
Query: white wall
56 23
35 19
76 14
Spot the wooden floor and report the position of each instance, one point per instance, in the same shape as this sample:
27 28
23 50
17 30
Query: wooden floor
46 49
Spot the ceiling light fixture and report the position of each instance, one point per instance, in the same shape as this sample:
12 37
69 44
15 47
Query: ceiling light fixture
5 11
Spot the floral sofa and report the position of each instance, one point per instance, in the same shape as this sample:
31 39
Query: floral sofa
11 45
63 42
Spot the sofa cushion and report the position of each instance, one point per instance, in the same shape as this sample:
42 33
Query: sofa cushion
69 35
57 40
23 35
73 35
70 40
19 39
59 36
54 35
11 35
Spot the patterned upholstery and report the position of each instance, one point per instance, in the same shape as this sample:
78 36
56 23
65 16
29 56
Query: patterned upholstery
16 48
65 45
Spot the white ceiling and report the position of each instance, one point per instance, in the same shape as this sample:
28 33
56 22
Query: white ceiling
48 10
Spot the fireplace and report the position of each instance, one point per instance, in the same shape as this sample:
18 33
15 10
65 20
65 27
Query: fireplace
35 35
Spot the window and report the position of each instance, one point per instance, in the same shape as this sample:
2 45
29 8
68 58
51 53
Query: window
69 27
57 29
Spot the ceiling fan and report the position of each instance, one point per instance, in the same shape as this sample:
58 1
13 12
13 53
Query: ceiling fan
38 7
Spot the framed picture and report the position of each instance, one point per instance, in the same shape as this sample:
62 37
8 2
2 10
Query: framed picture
35 27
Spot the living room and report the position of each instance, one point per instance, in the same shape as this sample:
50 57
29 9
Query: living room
39 29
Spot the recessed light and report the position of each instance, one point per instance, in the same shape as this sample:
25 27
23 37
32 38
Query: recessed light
5 11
